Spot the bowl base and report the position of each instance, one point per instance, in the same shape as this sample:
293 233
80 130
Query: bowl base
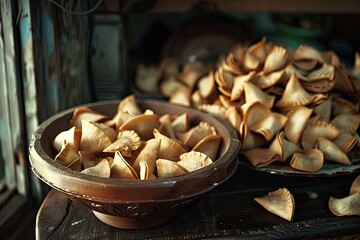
133 223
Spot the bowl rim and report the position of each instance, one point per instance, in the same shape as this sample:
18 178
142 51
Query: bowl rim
37 155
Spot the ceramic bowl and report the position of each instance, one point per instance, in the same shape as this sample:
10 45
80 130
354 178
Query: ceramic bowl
132 204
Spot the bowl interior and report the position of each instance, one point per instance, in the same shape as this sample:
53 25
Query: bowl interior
109 190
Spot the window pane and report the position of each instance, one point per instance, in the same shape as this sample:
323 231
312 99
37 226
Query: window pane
5 140
10 127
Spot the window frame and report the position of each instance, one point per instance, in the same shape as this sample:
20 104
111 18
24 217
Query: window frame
21 191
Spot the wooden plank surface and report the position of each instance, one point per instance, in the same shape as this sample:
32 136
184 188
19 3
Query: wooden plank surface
226 212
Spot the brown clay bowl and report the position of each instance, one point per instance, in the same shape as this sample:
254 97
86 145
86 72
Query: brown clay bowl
132 204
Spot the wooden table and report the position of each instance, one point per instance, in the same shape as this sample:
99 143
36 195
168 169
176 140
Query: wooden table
228 211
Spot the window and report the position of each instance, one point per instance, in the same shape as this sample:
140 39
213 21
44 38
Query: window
11 130
16 121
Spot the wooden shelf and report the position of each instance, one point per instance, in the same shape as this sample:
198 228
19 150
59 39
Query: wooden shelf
227 212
